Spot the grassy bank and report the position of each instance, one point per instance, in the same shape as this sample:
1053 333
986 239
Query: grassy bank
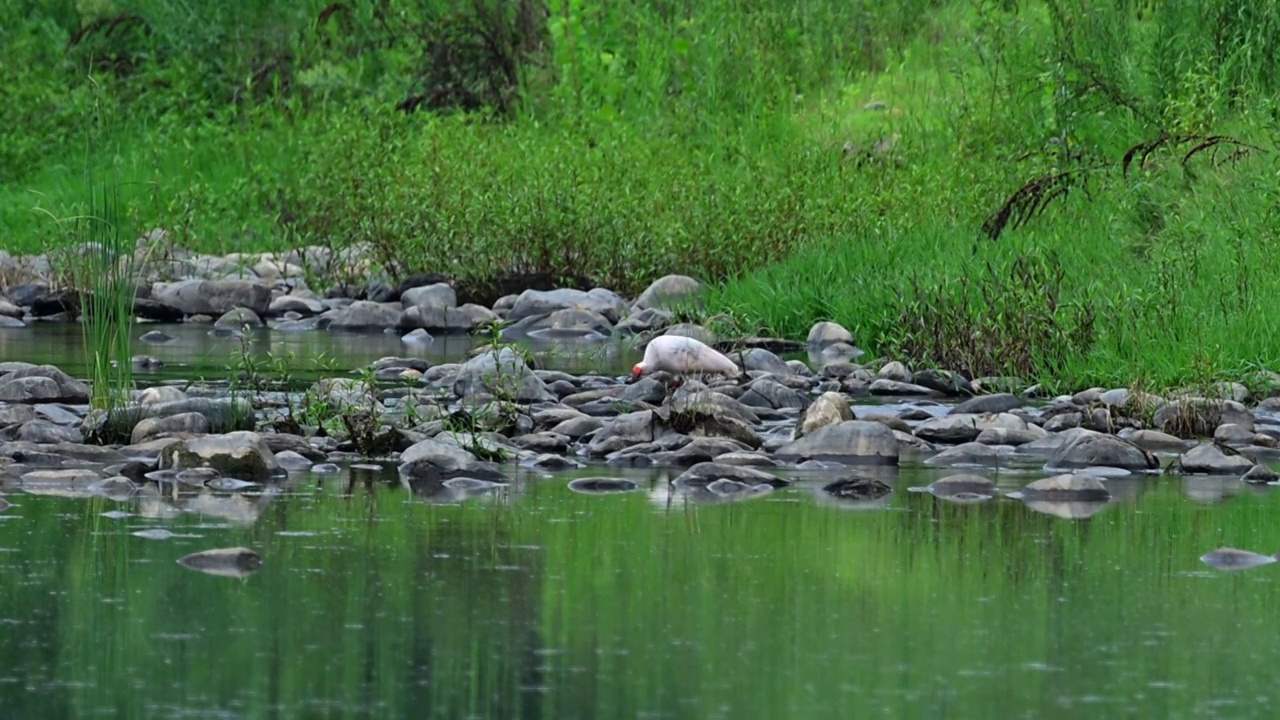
818 160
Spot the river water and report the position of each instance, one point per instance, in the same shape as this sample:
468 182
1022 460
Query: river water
535 601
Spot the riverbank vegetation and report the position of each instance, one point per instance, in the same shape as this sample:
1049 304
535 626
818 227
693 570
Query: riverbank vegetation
1074 192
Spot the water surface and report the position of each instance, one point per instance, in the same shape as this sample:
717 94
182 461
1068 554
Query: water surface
539 602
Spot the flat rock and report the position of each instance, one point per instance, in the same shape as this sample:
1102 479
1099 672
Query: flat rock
213 297
849 441
1066 488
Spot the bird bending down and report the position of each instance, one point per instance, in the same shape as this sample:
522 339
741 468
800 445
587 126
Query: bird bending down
680 356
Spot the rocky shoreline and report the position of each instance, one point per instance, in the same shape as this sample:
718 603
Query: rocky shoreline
469 427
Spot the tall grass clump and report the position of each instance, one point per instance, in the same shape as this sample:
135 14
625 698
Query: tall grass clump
100 258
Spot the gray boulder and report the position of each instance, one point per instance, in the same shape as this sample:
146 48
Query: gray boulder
705 473
42 383
668 292
1066 488
240 454
544 302
830 408
1094 449
213 297
1211 459
850 441
364 315
428 463
502 373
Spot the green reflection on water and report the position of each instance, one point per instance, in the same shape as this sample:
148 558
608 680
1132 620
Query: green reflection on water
544 603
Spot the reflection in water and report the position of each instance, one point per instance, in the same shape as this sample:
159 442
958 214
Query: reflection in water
536 601
195 351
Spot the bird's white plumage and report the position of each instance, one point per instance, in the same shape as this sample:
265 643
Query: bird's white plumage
684 355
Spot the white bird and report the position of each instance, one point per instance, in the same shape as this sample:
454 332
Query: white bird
683 355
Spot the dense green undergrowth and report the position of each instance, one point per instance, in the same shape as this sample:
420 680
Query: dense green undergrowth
1002 188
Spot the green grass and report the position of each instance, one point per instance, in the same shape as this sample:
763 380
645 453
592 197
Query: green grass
633 141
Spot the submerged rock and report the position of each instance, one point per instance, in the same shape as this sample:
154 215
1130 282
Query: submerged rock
857 489
1233 559
234 562
600 485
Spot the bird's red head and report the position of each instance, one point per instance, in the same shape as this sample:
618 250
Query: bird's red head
637 371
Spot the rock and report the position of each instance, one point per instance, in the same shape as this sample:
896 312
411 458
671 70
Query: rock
1093 449
44 432
645 321
698 450
502 373
958 428
624 431
600 485
213 297
895 370
292 461
564 324
1212 459
234 562
1233 559
705 473
238 318
712 419
156 337
42 383
1063 421
857 489
427 464
828 333
849 441
364 315
188 423
1199 417
419 337
943 382
970 453
240 454
11 323
544 302
303 306
1011 436
9 310
884 386
448 320
963 485
766 392
1067 488
1233 434
697 332
830 408
1260 475
763 361
438 295
551 461
669 292
160 394
65 483
16 414
997 403
1155 440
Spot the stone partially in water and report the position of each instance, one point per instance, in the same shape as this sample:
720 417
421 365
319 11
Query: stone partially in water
241 454
42 383
962 484
1213 459
4 504
1260 475
600 485
1233 559
857 489
1091 449
854 441
226 484
705 473
234 562
1066 488
830 409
